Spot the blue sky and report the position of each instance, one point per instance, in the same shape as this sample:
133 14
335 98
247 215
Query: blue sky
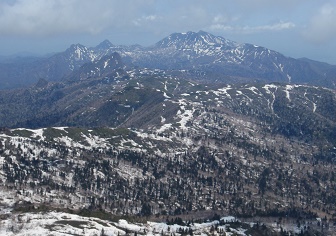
296 28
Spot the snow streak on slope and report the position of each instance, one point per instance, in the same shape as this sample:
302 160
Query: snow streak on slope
288 88
268 88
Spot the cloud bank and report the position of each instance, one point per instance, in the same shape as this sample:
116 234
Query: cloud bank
254 29
53 17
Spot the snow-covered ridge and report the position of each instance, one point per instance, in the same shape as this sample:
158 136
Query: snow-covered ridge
200 51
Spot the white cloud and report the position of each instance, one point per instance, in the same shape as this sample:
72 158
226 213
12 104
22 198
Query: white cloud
52 17
146 19
55 17
273 27
322 27
262 4
253 29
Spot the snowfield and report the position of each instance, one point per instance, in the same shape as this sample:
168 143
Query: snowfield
61 224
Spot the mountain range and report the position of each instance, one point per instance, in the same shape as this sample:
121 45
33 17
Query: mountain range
186 131
201 55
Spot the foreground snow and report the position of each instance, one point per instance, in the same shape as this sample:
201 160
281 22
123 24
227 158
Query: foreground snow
56 223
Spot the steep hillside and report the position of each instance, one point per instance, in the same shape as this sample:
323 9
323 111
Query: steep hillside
151 98
179 146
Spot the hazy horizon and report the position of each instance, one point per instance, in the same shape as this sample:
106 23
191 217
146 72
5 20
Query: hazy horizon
297 29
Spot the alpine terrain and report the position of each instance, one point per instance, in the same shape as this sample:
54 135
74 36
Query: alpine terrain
196 134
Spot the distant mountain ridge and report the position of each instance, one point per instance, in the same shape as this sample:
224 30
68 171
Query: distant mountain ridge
217 58
107 65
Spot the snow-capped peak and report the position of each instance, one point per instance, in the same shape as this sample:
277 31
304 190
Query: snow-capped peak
179 40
